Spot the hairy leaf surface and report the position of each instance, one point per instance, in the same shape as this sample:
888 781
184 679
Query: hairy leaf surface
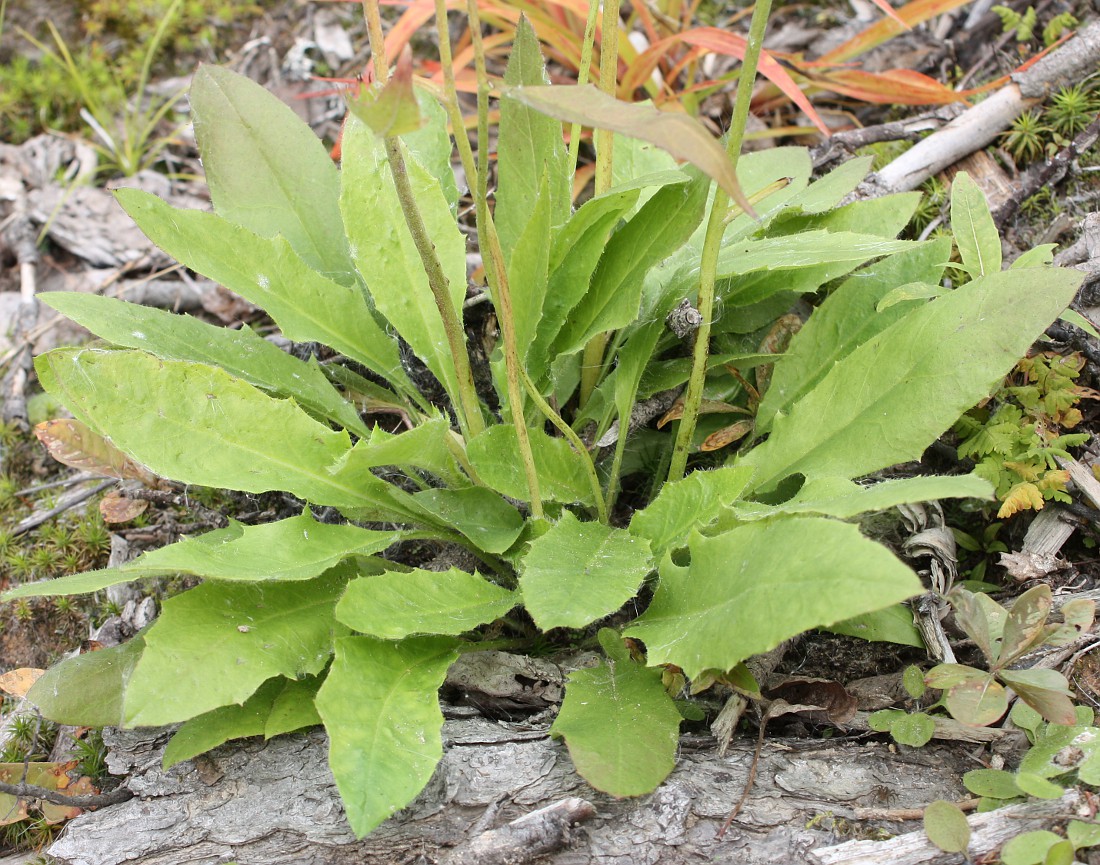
298 548
383 249
381 711
972 224
239 352
199 425
86 690
749 589
392 606
306 305
217 643
690 503
266 169
621 726
578 572
886 401
847 319
562 477
530 149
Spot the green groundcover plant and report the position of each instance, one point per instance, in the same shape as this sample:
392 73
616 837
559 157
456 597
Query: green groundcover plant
302 621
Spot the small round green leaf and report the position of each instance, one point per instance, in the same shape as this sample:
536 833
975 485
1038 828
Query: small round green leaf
1038 786
993 783
882 720
1082 834
914 730
913 681
1029 848
946 826
977 702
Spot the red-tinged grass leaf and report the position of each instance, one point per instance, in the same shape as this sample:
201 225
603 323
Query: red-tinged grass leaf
74 444
910 14
946 826
18 682
721 42
393 110
1024 625
979 702
889 10
679 135
711 40
892 87
115 508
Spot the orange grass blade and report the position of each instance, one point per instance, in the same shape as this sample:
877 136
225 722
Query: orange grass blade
909 15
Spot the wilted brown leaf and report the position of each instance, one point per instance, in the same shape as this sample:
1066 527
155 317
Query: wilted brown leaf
74 444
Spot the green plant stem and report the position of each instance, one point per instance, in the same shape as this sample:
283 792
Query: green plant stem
582 78
496 273
574 439
712 244
592 360
469 414
609 69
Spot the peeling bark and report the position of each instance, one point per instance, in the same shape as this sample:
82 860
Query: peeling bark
274 803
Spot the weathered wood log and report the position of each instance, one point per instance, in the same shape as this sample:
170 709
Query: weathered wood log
272 803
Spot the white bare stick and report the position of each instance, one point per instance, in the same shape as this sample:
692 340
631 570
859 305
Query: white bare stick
980 125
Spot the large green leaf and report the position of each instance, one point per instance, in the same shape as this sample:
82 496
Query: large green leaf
657 230
893 395
210 729
293 707
971 223
239 352
528 274
678 133
579 572
689 503
426 446
847 319
491 523
802 250
575 252
394 605
621 726
749 589
298 548
266 169
530 150
385 253
86 690
199 425
217 643
306 305
843 498
562 476
381 711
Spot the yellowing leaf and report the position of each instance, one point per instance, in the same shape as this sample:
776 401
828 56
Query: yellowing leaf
1021 497
677 134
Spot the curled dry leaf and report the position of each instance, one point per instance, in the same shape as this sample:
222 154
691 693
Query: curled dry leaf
813 697
74 444
116 508
679 135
